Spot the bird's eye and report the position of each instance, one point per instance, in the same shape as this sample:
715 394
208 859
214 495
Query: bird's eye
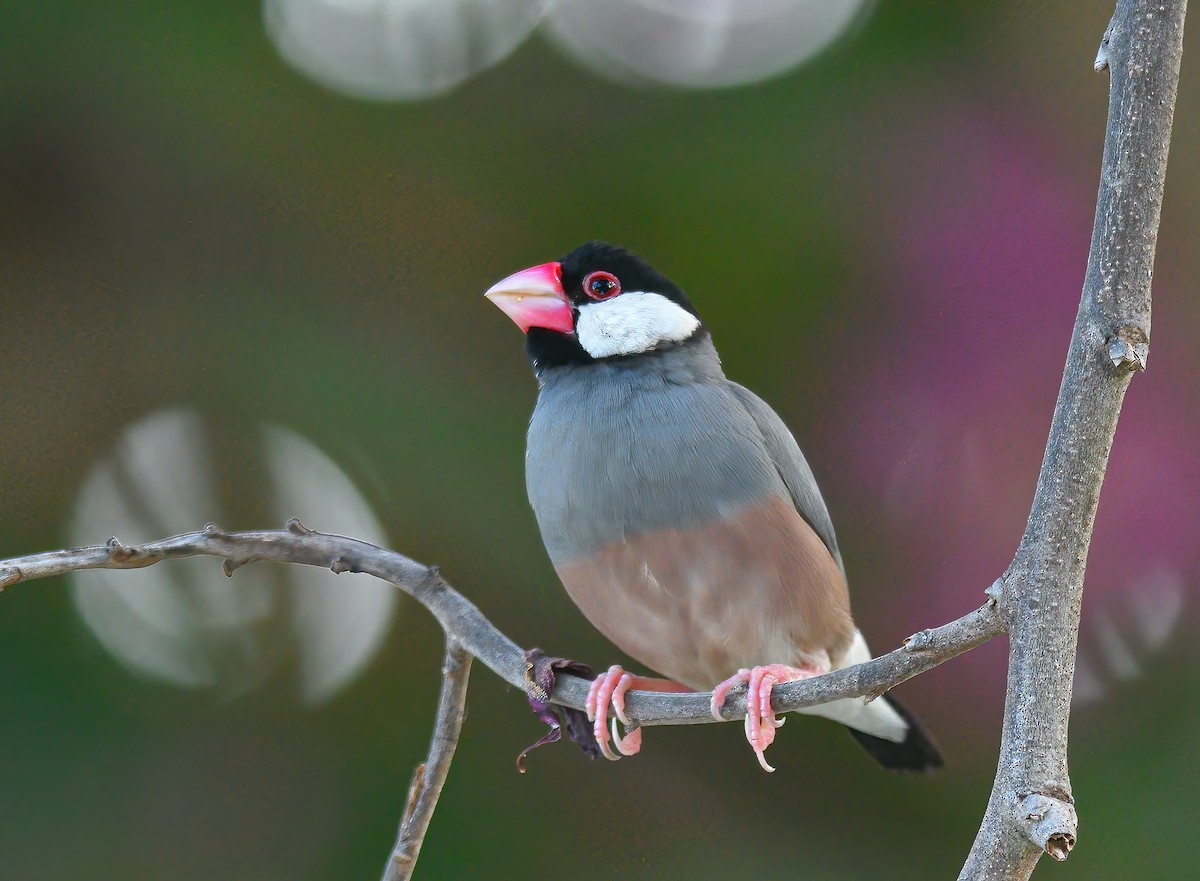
601 285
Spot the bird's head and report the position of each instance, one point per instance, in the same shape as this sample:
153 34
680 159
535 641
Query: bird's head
598 302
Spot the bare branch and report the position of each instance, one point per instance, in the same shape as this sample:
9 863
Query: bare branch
465 624
920 652
1042 591
430 775
469 633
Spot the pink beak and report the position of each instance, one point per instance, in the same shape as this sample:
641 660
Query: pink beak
534 298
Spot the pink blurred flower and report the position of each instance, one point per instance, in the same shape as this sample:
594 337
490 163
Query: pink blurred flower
982 269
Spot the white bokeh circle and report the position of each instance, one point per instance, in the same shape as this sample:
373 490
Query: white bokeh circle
392 50
699 43
185 623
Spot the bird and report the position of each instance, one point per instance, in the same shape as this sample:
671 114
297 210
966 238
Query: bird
678 510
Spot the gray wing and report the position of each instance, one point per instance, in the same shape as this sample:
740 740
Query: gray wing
792 467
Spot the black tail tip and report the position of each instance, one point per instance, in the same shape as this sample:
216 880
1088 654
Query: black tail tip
918 752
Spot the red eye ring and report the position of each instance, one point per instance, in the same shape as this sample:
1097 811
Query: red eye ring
601 285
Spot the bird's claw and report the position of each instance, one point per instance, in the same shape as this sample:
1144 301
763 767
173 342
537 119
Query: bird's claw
630 744
760 716
609 689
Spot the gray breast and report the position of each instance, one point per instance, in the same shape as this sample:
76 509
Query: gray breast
635 445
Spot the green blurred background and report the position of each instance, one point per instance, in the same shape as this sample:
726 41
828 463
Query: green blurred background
888 243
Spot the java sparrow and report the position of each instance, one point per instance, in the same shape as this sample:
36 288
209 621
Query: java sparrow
677 508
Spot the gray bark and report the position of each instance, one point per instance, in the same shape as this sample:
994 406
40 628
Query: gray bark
1031 810
430 776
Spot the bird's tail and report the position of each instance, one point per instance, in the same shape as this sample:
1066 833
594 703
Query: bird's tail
917 752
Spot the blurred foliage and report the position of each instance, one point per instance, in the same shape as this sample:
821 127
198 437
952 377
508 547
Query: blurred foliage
186 220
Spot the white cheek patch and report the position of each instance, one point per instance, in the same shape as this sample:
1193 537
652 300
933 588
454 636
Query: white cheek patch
632 322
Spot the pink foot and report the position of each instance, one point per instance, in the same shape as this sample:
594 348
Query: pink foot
609 688
760 717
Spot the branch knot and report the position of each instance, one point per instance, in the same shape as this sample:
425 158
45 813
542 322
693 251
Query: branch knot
918 642
295 527
119 552
1130 348
1049 822
342 564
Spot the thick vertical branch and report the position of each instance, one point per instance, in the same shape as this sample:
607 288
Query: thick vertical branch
430 775
1031 810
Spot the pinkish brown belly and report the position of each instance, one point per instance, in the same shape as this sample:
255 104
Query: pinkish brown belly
697 605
